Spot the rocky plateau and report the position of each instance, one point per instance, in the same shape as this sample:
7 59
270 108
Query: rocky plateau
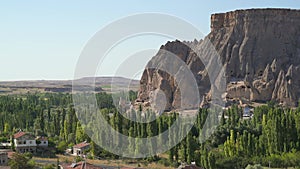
260 53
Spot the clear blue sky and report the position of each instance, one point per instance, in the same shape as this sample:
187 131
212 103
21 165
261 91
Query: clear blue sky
43 39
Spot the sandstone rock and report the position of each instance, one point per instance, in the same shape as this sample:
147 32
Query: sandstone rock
260 51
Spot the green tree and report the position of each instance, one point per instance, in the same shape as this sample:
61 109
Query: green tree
62 146
6 128
93 149
189 148
79 133
19 161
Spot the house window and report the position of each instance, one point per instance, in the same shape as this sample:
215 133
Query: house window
30 142
45 142
24 142
19 142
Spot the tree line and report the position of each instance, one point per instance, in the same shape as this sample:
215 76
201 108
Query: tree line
271 137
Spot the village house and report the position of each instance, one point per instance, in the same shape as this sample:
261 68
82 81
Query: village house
3 158
247 112
24 142
5 145
42 141
78 150
191 166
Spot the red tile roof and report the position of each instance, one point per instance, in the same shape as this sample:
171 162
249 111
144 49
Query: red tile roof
81 145
19 134
10 153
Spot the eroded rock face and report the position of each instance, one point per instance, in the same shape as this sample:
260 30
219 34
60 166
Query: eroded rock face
259 48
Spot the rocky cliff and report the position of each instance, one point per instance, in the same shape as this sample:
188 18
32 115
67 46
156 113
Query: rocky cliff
260 51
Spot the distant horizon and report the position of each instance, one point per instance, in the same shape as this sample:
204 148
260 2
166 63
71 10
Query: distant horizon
100 76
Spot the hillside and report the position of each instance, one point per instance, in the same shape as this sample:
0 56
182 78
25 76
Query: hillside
101 84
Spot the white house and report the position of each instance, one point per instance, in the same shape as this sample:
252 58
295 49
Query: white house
78 150
247 112
43 141
5 145
24 142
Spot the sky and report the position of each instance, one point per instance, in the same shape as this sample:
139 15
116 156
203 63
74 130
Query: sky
42 40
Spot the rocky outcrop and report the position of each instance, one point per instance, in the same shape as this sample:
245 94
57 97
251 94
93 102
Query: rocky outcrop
260 51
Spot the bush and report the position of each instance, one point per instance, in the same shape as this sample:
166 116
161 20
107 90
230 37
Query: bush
78 159
256 166
52 142
232 163
276 161
19 161
49 166
61 147
3 139
28 155
89 156
164 162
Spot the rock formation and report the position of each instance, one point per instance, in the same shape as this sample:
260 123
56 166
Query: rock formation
260 51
